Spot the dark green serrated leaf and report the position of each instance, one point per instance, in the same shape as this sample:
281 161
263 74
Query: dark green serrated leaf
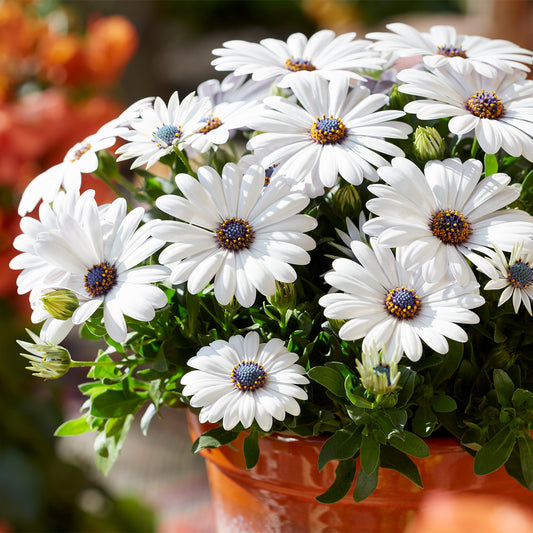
369 457
495 452
365 484
329 378
251 449
395 459
504 387
343 444
344 474
424 421
525 445
214 438
410 443
406 386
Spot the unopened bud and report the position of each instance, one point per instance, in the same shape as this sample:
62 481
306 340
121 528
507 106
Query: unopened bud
285 296
428 144
47 360
346 200
376 376
60 303
398 100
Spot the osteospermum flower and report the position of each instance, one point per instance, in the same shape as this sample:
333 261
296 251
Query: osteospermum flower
160 128
496 110
445 215
236 230
442 46
242 380
81 159
324 54
386 301
103 270
335 131
513 275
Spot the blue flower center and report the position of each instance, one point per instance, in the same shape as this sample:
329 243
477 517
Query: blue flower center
235 234
100 279
167 134
402 303
485 104
520 274
451 227
268 173
450 51
248 376
296 64
211 123
79 150
329 130
382 369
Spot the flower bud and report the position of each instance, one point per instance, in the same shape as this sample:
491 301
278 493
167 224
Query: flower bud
346 200
377 377
47 360
285 296
428 144
60 303
398 100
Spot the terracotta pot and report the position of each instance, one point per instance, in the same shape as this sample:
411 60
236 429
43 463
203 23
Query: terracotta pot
278 495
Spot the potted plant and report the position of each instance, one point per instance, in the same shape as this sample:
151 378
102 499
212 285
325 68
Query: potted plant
323 250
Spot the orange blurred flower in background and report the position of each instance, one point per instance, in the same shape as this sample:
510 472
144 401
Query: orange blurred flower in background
52 83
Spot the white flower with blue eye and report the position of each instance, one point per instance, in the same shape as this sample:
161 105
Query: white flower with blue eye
242 380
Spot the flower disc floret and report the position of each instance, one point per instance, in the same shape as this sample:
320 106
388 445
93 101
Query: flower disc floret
211 123
450 226
248 376
451 51
402 303
79 150
328 130
485 104
100 279
167 134
520 274
297 64
235 234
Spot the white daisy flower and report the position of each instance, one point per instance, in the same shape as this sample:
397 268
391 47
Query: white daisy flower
234 89
442 46
497 110
386 301
242 380
513 275
218 124
81 159
335 131
103 270
324 54
37 273
160 128
445 215
235 230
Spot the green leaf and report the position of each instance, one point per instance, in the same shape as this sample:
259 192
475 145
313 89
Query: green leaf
77 426
114 404
395 459
365 484
525 445
443 403
102 372
343 444
424 421
504 387
523 399
495 452
406 386
410 443
251 449
355 398
369 453
491 164
449 365
329 378
108 446
344 474
214 438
